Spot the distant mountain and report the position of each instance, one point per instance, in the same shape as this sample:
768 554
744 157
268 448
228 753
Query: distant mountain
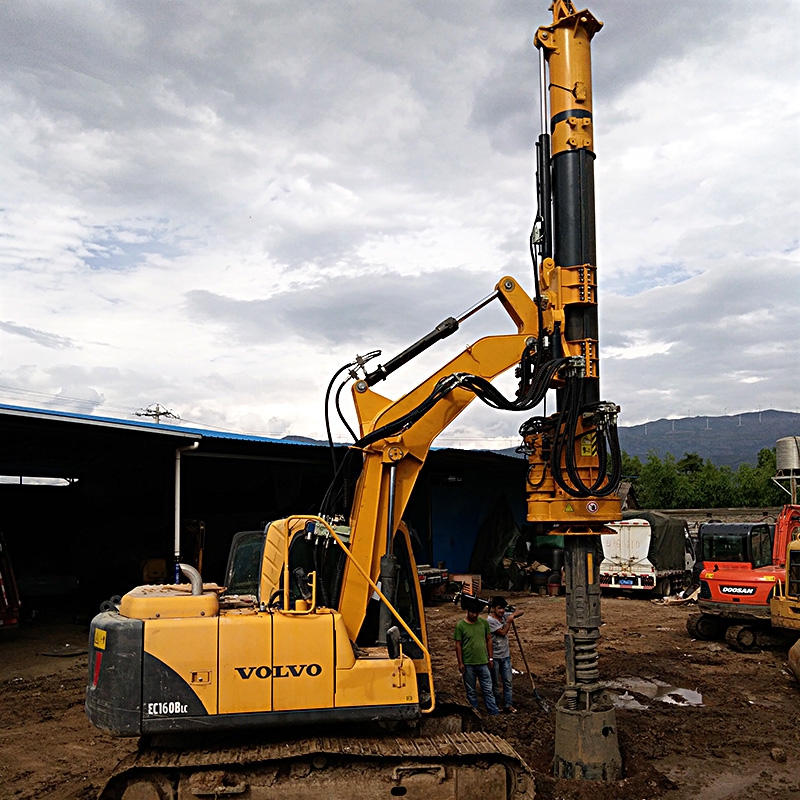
726 441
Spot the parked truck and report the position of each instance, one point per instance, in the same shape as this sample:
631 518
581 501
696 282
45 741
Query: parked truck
649 553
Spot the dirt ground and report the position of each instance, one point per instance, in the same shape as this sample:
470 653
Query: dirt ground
742 742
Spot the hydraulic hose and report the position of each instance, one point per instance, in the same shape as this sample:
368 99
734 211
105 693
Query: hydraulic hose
535 380
564 445
360 361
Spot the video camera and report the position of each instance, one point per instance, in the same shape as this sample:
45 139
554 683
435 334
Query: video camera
471 602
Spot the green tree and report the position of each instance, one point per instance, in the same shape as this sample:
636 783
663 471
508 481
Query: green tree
690 464
714 487
686 491
693 482
754 487
631 467
657 483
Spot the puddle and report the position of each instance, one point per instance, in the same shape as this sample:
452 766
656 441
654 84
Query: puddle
654 690
627 700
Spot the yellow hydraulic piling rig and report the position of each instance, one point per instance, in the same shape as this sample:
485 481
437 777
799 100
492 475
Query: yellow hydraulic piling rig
573 454
296 640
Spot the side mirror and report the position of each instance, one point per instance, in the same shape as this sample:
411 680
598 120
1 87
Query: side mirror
393 642
302 583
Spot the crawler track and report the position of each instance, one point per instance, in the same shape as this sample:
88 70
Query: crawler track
457 766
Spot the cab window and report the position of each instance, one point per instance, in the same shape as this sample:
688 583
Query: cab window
761 547
725 547
243 574
406 599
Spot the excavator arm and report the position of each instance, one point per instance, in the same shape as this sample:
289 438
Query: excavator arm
396 437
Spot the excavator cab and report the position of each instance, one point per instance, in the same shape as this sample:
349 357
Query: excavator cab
739 543
315 567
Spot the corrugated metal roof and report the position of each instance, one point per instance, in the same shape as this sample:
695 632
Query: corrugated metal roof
142 425
195 433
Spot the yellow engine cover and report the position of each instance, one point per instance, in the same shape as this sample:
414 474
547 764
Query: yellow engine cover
257 662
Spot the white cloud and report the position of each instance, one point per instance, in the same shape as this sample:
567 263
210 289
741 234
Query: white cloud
213 206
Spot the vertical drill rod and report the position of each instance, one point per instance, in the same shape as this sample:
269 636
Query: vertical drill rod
586 744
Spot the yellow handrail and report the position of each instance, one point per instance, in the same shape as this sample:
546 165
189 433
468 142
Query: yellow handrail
395 613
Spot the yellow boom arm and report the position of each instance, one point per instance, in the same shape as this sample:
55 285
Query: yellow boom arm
392 464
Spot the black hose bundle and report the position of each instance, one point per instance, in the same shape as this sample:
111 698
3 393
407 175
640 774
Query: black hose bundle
560 433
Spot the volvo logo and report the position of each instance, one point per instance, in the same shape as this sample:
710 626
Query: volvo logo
279 671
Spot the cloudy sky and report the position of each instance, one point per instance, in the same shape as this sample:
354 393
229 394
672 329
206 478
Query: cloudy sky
213 206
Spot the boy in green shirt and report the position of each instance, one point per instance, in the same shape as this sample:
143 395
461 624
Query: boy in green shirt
473 640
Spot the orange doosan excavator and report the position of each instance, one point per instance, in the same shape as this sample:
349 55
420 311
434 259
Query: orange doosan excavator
310 674
742 564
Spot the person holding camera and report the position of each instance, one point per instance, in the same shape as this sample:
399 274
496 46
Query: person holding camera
501 618
473 640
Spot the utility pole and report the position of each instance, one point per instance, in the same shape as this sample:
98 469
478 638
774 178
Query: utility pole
156 411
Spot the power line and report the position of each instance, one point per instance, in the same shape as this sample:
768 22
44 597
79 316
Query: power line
65 399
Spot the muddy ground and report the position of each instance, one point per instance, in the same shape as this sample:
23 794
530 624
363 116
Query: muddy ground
743 741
